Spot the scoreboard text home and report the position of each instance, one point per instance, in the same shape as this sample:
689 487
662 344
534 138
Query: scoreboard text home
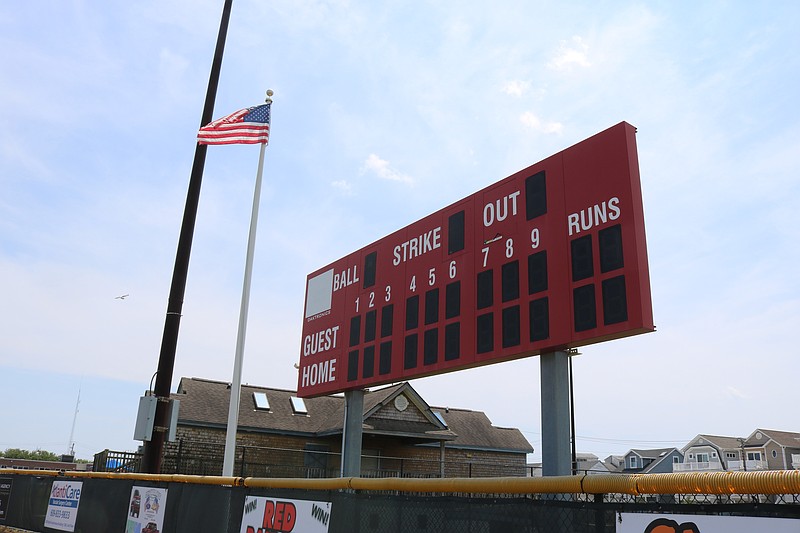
550 258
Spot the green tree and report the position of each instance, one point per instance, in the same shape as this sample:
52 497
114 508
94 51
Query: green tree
37 455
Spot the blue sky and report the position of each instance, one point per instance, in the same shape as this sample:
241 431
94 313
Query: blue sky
384 113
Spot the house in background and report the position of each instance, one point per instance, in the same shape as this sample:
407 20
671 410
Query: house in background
281 435
589 463
585 464
615 463
658 461
711 453
764 449
634 462
66 464
771 450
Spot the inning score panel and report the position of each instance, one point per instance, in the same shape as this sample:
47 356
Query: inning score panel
550 258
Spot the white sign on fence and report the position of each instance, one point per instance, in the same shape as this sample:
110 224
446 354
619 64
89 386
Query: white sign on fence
674 523
62 507
146 510
269 515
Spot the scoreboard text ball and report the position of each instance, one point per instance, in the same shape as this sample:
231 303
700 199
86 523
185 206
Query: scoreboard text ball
552 257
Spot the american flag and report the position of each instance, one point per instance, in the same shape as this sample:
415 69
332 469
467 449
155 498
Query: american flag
246 126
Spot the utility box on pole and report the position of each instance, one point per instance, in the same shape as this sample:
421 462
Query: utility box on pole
145 419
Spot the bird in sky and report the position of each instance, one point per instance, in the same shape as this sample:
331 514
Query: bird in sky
122 297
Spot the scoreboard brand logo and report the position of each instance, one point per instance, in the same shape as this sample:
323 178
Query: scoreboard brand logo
319 291
550 258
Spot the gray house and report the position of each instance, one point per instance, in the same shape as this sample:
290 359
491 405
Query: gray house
764 449
771 449
710 453
590 464
656 461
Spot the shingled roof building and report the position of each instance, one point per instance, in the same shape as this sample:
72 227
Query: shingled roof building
281 435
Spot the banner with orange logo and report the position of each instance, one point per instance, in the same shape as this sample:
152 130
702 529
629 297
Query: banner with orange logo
652 523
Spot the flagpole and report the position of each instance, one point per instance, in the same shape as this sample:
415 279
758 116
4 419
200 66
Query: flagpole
236 382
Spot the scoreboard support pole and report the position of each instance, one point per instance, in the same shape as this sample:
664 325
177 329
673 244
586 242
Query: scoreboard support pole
352 433
556 455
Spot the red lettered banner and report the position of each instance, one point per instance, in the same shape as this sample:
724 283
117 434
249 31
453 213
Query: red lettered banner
271 515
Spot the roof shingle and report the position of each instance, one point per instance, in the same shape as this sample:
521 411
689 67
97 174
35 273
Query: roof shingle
205 403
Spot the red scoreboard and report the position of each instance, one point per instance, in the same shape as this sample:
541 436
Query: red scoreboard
552 257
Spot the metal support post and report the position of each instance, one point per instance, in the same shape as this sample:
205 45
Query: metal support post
556 456
353 433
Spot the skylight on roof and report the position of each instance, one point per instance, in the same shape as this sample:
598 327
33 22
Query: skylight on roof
298 405
440 417
262 403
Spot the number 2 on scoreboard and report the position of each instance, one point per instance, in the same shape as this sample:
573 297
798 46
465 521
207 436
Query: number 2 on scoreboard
372 299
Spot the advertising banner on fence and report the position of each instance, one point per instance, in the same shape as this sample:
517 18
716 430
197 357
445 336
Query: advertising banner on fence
268 515
651 523
5 496
62 507
146 510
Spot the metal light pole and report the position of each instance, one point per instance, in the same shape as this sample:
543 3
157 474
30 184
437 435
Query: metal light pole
153 449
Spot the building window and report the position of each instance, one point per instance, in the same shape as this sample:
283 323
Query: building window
633 462
702 457
676 459
730 455
753 456
262 403
298 406
774 453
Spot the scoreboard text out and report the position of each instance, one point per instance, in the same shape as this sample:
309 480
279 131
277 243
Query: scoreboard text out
552 257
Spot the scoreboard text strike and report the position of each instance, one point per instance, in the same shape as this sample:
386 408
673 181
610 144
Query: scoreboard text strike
552 257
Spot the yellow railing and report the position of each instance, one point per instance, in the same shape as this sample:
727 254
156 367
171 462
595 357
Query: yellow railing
763 482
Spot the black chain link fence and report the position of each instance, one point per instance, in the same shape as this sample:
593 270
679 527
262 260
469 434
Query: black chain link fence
464 514
193 507
205 459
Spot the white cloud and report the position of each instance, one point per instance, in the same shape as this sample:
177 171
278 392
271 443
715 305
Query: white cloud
343 185
570 54
382 169
516 87
736 393
535 123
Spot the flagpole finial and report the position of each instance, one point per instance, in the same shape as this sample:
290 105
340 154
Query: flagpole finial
269 96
